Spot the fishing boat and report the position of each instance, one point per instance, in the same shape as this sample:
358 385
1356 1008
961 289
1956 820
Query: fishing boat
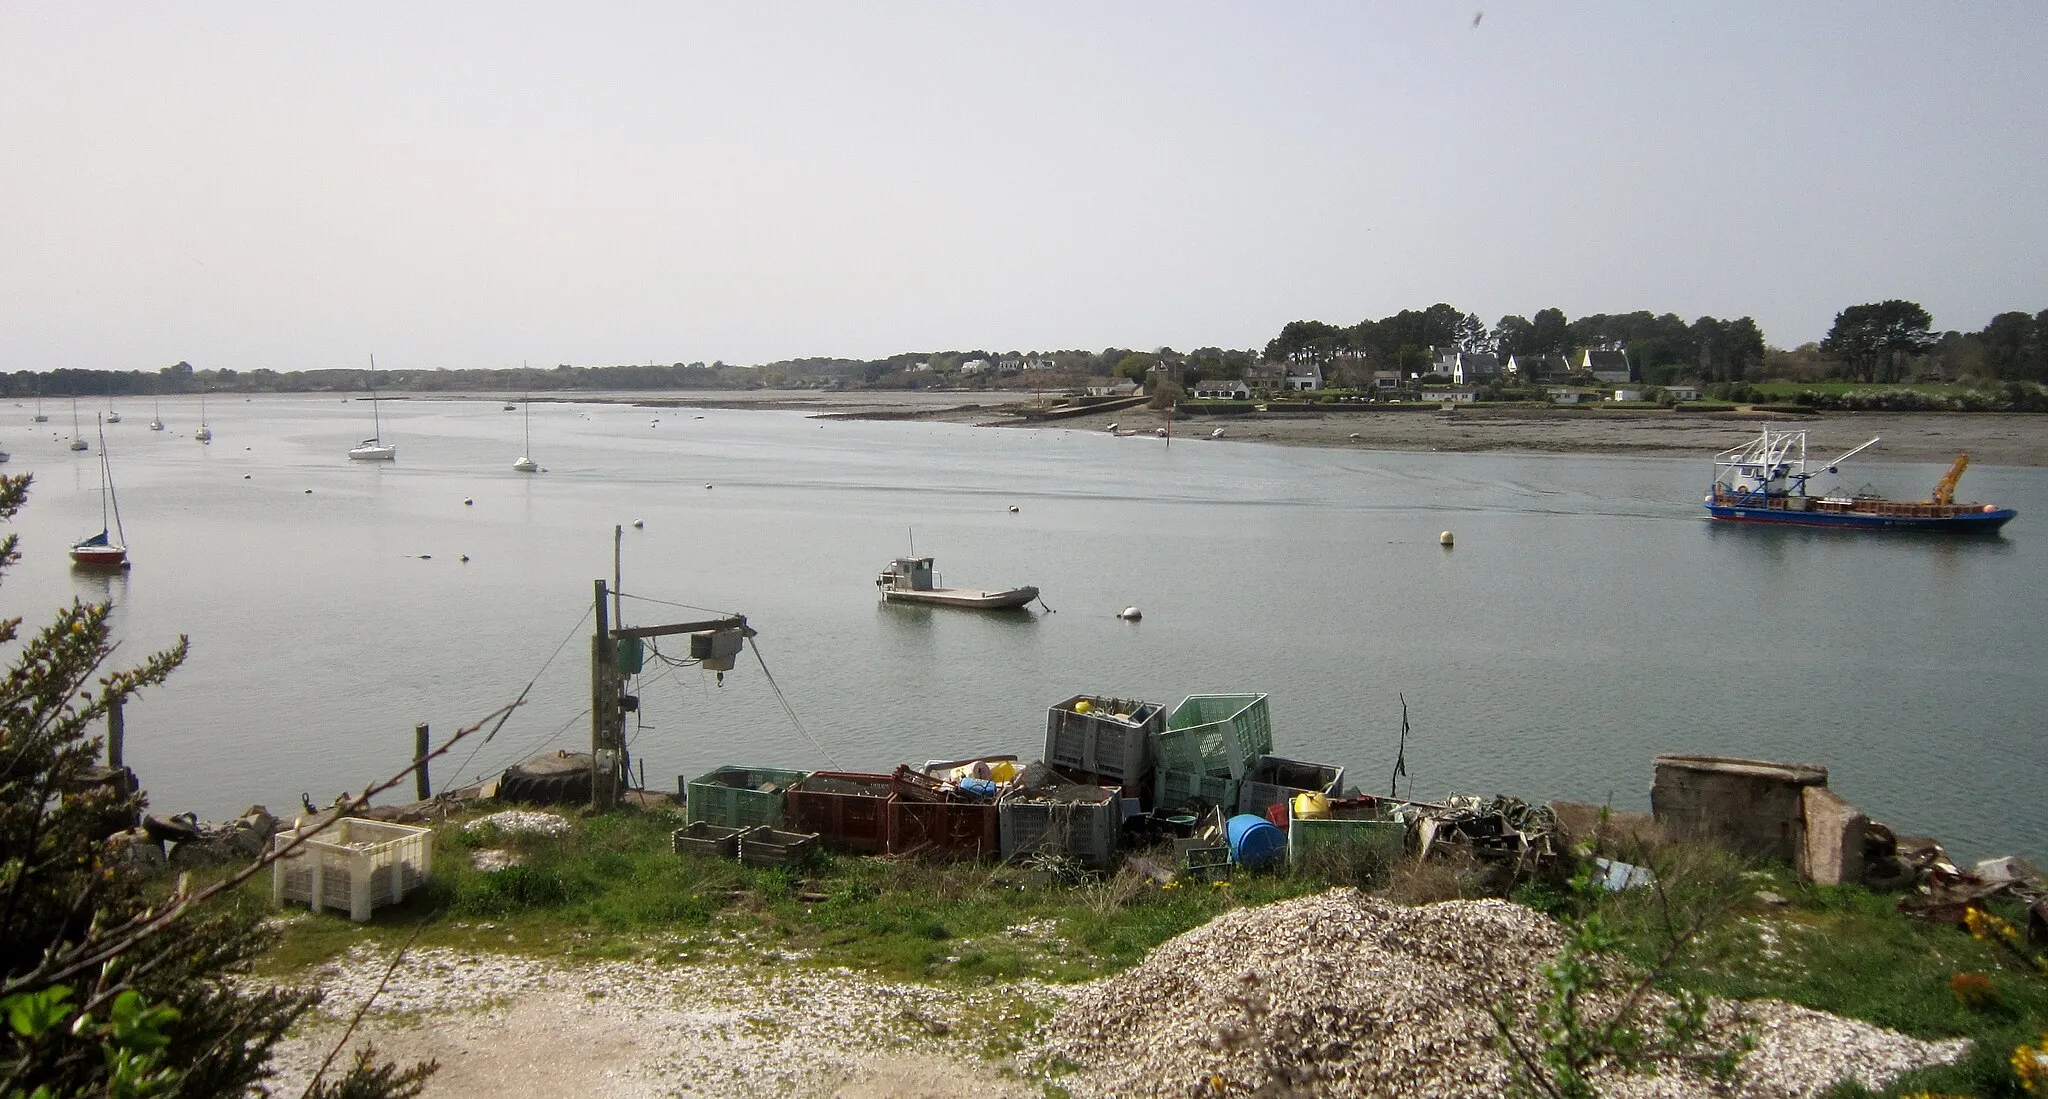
911 580
526 464
374 448
1765 481
109 548
77 438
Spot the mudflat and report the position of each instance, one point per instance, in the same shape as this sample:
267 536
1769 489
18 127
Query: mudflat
1990 438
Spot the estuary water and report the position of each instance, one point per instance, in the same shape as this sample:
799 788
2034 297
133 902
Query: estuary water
1588 619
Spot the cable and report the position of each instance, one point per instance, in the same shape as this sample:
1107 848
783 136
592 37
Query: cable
787 709
684 606
464 765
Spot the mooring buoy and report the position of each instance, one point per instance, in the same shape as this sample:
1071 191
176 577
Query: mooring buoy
1130 614
1445 540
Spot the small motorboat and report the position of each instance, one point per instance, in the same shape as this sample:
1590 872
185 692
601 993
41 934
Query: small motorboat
911 580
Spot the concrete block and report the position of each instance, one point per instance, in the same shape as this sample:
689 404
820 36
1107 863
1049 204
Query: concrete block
1834 838
1747 806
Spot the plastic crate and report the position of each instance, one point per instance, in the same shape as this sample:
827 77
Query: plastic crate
847 810
741 797
1113 739
701 838
1273 779
1214 735
766 846
1080 822
1174 790
1360 824
957 829
356 864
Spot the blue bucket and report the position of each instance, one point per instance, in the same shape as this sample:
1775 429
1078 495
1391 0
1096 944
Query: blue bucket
1254 841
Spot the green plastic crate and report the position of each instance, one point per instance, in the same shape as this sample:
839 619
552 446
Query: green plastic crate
1175 790
1361 828
1216 735
741 797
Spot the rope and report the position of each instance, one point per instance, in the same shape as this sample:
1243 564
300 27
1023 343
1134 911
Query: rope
684 606
787 709
464 765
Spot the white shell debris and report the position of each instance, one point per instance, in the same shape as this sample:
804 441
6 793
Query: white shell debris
519 821
1381 1000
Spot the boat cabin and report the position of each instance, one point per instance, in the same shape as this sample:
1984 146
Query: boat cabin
907 574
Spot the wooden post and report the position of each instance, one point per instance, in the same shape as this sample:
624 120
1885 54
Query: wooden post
117 735
604 701
420 784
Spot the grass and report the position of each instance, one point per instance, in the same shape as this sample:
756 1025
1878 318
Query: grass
1784 391
613 887
1838 949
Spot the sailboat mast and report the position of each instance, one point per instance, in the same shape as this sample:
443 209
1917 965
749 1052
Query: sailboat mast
376 421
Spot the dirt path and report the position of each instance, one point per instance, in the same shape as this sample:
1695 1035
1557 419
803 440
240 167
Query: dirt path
512 1027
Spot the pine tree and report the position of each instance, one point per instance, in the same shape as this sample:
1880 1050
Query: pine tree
109 986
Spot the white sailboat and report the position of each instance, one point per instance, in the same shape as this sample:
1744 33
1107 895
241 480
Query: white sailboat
156 420
526 464
109 548
374 448
205 433
40 418
113 417
77 438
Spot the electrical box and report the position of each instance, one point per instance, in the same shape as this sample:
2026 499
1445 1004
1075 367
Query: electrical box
716 648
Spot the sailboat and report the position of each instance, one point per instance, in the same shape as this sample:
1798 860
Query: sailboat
526 464
205 433
77 439
113 417
156 419
105 550
374 448
40 418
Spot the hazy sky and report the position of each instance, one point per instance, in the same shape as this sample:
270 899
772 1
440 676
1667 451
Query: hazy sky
296 186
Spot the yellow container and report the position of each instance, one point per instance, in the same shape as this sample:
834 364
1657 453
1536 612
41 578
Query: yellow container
1311 805
1002 770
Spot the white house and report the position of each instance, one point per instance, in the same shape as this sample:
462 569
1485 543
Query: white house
1628 393
1453 393
1683 392
1122 387
1221 389
1386 379
1564 395
1605 366
974 366
1303 376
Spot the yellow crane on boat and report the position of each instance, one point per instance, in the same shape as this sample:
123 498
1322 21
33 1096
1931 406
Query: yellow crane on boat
1945 490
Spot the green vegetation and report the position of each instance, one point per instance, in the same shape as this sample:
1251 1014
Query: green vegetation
614 887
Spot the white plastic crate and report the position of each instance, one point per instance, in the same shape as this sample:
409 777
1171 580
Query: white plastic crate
355 865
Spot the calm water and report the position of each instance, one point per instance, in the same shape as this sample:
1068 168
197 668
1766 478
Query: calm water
1587 620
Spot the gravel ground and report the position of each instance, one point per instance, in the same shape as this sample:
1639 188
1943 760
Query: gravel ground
1374 999
527 1028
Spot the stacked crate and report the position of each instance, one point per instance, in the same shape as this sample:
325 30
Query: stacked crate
1273 779
741 797
1079 822
1107 742
1354 828
1207 746
848 811
931 817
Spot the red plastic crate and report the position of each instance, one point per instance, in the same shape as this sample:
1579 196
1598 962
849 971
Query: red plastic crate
847 810
946 829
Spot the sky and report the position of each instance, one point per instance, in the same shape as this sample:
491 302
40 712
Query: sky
298 186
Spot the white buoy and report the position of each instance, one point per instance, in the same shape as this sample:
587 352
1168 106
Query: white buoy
1013 509
1445 539
468 503
637 524
1130 614
707 484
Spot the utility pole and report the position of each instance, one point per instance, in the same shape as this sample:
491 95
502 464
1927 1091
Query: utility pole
714 642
